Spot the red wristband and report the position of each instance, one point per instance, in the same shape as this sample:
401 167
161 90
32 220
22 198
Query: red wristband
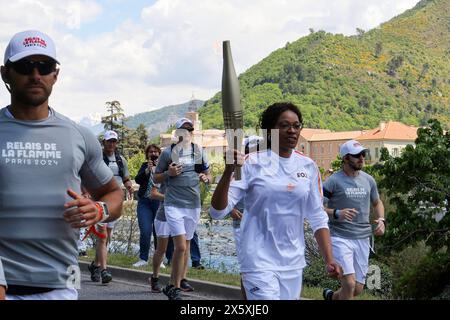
100 210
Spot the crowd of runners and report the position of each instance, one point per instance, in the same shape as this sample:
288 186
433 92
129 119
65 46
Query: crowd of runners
56 179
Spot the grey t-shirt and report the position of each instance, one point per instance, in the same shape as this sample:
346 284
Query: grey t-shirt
183 191
39 161
2 275
115 168
358 192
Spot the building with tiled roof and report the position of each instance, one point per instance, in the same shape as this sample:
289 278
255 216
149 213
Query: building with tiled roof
323 147
393 135
213 141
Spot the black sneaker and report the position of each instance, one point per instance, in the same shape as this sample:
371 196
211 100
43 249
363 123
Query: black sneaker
154 283
327 294
185 286
106 276
174 294
167 288
198 266
95 272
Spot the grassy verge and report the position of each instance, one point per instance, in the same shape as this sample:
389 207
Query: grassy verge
126 261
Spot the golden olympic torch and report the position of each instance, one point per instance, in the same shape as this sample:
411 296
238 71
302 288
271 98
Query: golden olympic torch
231 105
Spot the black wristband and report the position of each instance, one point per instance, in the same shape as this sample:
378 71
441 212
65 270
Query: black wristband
334 214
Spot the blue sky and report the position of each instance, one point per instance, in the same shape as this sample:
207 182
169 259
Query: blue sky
155 53
113 14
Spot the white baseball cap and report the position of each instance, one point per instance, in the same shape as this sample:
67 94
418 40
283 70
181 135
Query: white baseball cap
182 121
28 43
111 135
252 141
351 147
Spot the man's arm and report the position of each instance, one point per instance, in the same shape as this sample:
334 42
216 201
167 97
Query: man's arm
378 209
126 178
85 212
205 176
156 195
112 195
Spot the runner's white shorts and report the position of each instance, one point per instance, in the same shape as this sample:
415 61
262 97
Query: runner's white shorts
273 285
182 221
162 229
352 255
57 294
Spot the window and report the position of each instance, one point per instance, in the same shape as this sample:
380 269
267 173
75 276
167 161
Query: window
395 152
331 148
376 153
322 150
302 148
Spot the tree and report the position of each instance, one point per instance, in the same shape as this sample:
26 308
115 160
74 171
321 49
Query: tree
419 186
141 133
395 63
360 32
425 68
378 49
116 113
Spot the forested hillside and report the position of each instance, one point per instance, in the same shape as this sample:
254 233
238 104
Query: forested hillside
398 71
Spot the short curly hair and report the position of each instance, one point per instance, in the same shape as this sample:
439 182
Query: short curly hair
270 116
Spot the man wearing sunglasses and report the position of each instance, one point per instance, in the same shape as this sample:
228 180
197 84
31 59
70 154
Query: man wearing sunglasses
348 195
182 167
44 159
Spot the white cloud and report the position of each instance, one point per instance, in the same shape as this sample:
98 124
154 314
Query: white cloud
175 48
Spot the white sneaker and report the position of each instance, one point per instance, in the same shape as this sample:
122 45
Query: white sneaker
162 266
140 263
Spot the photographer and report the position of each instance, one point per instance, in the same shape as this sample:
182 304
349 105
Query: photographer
147 208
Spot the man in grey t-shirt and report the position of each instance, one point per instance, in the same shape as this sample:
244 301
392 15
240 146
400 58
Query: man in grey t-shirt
183 166
348 195
44 159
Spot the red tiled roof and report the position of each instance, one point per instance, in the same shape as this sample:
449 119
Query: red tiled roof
391 130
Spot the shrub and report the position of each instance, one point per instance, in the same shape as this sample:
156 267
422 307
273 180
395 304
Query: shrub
314 275
428 279
386 281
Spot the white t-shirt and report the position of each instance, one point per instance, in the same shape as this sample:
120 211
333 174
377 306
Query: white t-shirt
279 194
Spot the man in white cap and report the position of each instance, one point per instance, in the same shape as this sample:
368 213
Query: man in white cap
44 160
119 167
182 167
348 194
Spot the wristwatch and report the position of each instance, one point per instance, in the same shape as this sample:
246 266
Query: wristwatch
103 208
336 213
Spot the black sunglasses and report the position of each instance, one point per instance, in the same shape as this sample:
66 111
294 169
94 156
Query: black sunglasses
190 129
26 67
362 153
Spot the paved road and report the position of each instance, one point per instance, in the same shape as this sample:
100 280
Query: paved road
121 289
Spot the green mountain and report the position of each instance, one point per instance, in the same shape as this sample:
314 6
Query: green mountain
160 120
397 71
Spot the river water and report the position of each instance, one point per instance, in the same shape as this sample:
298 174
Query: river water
217 246
216 241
